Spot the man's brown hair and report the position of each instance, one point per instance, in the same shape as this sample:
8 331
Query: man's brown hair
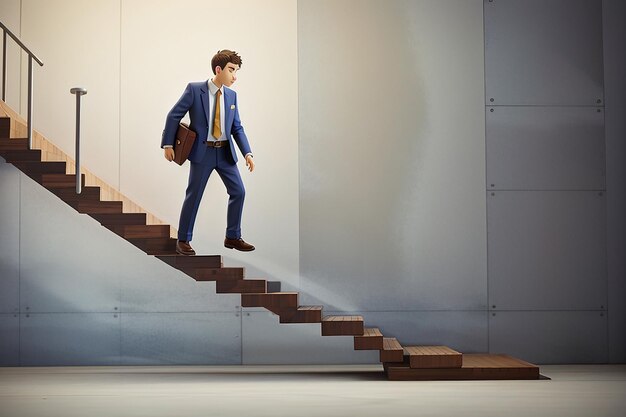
223 57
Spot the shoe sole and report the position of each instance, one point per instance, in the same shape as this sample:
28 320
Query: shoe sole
180 252
240 250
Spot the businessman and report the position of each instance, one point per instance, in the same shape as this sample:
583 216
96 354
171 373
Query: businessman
214 115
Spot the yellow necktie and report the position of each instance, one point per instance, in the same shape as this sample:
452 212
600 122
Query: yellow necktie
217 124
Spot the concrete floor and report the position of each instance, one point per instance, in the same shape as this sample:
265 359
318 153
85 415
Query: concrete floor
255 391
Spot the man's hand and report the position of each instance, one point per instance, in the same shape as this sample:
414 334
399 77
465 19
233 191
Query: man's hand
250 163
169 154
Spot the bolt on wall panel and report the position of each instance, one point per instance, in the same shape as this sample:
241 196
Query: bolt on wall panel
550 337
70 339
547 250
545 148
543 52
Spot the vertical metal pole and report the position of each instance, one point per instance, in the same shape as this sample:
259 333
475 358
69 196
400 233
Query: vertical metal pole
4 66
30 102
78 92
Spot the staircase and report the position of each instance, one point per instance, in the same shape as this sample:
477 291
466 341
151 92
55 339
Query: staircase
399 362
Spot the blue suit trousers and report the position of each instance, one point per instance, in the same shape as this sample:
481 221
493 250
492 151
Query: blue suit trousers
220 160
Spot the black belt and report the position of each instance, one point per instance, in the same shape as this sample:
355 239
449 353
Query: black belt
218 144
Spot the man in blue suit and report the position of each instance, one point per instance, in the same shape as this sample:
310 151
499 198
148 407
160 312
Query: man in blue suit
214 114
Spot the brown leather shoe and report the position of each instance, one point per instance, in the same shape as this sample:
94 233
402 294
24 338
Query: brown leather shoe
238 244
184 248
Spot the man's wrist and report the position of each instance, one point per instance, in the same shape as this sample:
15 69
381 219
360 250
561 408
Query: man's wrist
168 146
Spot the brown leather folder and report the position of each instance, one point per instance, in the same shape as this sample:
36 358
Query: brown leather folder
185 138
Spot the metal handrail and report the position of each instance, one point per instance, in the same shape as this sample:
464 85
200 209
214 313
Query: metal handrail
31 57
78 91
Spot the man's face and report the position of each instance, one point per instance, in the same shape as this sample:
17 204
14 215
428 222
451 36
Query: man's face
228 75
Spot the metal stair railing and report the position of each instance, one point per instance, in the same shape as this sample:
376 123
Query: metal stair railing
31 57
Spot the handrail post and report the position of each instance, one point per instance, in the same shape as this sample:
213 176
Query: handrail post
78 92
4 66
29 121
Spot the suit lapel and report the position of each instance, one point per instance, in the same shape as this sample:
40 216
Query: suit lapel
227 103
204 97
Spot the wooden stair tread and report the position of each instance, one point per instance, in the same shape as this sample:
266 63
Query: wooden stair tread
276 302
433 357
302 314
342 318
156 246
392 350
87 193
120 218
20 144
215 274
14 155
475 367
342 326
241 286
310 308
140 230
59 180
429 350
372 339
196 261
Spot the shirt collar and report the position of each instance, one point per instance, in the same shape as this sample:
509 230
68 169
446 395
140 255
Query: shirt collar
213 88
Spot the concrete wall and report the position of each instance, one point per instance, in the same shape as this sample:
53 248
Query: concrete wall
379 201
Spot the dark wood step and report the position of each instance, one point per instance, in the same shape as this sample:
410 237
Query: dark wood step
5 127
433 357
474 367
157 246
302 314
120 218
36 168
372 339
87 193
192 262
135 231
241 286
88 207
20 144
59 180
274 302
392 350
342 326
21 155
215 274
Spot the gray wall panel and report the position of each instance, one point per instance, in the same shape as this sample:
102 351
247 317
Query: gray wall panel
9 340
391 203
547 250
299 343
543 52
9 238
614 12
68 339
550 337
68 262
181 338
543 148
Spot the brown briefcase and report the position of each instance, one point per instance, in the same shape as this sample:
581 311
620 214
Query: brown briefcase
185 138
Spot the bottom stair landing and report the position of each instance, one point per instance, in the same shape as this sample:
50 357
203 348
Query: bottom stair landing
474 367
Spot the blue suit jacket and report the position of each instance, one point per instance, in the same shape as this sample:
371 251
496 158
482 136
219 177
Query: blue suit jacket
195 100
